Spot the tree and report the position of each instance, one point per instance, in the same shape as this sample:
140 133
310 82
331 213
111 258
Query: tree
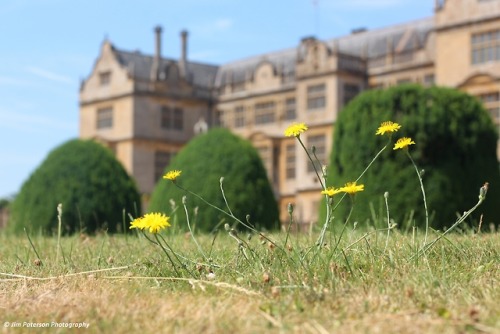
206 159
92 186
455 146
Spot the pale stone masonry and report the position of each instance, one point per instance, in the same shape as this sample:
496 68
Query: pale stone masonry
147 107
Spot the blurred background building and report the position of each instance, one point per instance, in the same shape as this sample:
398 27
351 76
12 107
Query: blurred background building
147 107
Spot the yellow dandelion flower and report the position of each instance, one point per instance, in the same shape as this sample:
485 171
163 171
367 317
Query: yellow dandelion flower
331 191
389 127
295 130
172 175
138 223
403 143
351 188
155 222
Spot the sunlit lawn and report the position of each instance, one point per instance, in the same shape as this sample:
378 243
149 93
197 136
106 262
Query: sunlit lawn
126 284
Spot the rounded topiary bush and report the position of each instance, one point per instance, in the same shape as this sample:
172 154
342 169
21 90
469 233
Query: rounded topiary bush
92 186
455 146
203 161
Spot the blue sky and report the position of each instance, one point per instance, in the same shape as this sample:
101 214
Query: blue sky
48 46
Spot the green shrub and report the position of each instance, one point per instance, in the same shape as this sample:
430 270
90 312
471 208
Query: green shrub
91 184
206 159
455 146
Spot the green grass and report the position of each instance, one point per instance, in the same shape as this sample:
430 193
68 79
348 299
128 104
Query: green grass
126 284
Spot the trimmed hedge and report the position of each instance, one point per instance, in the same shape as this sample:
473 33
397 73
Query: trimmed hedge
455 146
91 184
203 161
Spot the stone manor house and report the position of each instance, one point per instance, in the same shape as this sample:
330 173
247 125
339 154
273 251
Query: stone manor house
147 107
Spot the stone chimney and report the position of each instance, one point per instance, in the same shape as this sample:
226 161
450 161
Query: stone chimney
183 59
157 58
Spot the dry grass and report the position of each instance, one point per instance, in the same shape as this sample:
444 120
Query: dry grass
453 291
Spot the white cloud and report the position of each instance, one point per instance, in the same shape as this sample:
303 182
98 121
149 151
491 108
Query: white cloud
49 75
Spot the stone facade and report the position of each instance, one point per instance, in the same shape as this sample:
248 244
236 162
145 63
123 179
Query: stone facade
145 108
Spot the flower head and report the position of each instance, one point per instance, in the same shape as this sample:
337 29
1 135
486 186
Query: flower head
403 143
331 191
295 130
351 188
172 175
389 127
153 221
138 223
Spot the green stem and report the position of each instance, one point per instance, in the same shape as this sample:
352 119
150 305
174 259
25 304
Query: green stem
423 195
458 222
166 253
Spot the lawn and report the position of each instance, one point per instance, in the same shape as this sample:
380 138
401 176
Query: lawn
371 282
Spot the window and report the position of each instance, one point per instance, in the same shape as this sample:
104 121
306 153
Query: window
403 81
104 78
429 80
104 118
290 109
290 161
172 118
265 155
350 91
489 97
316 97
485 47
162 160
239 117
264 113
319 142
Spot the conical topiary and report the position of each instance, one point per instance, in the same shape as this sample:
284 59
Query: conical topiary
92 186
208 157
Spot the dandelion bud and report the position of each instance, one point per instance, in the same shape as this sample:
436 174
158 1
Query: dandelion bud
324 169
221 180
247 217
184 200
290 208
227 227
483 190
59 209
422 172
313 149
386 195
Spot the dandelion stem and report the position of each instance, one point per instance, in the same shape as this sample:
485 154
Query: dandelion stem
166 253
191 231
386 197
312 162
423 196
466 214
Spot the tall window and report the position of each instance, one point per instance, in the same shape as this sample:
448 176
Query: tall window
104 118
172 118
316 97
265 112
290 109
485 46
491 102
265 155
319 142
290 161
350 91
104 78
162 160
239 117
